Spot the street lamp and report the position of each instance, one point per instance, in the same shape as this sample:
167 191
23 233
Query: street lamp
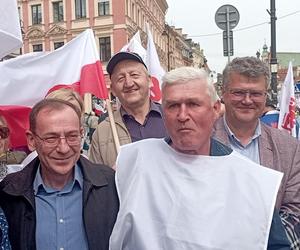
273 60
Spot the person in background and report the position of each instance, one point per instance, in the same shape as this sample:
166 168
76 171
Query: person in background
8 158
245 84
4 241
138 117
6 155
270 114
60 191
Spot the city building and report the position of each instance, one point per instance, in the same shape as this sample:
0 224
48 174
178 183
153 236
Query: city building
49 24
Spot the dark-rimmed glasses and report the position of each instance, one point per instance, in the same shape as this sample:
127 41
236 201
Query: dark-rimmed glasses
53 141
254 95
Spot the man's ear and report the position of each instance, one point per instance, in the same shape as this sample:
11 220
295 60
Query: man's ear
30 140
217 108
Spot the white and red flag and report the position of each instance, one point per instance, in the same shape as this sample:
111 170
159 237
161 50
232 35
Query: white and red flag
154 67
10 30
135 45
25 80
287 116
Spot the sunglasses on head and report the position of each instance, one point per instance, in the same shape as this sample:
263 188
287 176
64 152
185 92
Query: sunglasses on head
4 132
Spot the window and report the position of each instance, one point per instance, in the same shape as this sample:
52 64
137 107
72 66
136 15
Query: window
104 45
58 45
37 47
36 11
58 11
80 9
103 7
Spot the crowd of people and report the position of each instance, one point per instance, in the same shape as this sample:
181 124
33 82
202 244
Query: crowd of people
189 174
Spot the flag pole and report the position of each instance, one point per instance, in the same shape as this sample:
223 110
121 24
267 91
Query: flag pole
113 125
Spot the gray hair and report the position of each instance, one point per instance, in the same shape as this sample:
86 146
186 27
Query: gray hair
184 74
246 66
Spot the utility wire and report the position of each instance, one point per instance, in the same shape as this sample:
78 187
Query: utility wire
247 27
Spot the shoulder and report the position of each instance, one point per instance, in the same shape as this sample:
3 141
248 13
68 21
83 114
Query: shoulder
279 137
219 149
20 181
95 171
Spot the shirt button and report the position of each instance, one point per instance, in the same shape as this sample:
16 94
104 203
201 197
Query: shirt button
61 221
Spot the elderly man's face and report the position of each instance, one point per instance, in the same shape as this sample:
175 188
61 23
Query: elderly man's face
57 159
189 114
131 83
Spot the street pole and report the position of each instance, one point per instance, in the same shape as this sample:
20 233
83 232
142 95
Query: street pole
273 60
228 33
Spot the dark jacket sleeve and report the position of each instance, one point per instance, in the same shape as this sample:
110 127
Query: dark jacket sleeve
277 238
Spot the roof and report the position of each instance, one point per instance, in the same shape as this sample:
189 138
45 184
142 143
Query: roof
283 58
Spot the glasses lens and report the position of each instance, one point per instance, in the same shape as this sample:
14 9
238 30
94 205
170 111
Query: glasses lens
4 132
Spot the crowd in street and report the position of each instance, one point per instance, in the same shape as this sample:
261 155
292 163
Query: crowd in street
180 174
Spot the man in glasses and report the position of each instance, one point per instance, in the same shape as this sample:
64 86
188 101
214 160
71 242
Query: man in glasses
245 85
60 200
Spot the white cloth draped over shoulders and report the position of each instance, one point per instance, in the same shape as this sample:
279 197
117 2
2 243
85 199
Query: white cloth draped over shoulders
170 200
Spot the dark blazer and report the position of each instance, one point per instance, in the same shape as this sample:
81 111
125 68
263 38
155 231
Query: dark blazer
279 151
100 204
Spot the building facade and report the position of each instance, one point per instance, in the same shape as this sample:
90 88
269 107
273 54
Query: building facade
49 24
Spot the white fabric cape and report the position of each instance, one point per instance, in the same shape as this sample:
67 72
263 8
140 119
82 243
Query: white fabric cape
170 200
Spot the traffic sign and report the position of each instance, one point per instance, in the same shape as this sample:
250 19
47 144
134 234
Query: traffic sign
227 16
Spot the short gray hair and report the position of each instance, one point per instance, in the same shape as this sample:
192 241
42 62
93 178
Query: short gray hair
246 66
184 74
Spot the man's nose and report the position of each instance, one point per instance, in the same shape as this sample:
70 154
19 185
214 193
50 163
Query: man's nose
247 98
128 81
63 145
182 113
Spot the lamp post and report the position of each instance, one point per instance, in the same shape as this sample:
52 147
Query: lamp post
273 59
166 33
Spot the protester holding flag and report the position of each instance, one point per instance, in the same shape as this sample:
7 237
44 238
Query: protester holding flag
245 85
190 191
137 118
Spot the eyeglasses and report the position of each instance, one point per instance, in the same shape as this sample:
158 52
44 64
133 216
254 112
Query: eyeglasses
53 141
254 95
4 132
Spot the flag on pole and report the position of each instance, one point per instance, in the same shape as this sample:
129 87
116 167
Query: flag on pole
135 45
154 67
25 80
287 117
10 30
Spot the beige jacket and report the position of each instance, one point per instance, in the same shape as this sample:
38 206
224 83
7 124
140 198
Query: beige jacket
102 149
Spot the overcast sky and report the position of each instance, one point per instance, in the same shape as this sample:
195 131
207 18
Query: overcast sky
197 18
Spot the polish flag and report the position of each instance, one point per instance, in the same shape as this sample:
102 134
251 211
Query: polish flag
135 45
154 67
10 30
287 117
25 80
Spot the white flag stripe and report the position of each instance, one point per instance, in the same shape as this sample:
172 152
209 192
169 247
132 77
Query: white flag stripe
10 31
135 45
26 79
152 59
